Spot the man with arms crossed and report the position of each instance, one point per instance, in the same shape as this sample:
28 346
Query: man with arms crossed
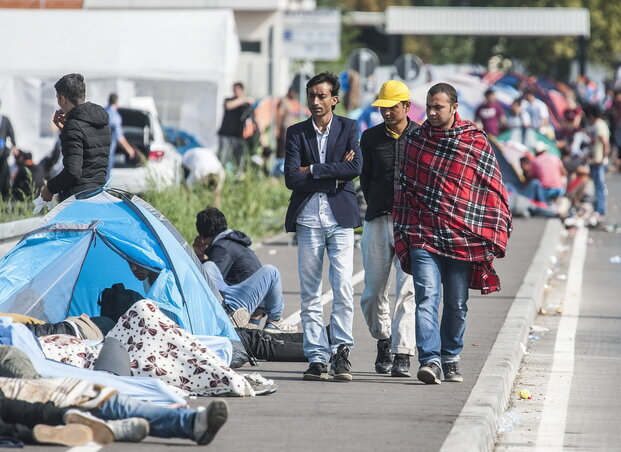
451 219
381 147
322 158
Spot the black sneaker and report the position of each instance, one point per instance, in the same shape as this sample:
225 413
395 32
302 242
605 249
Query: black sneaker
316 372
383 361
429 373
341 364
452 372
401 366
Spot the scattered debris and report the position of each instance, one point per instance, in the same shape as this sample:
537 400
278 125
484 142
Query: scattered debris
272 252
615 259
525 394
508 421
534 338
537 329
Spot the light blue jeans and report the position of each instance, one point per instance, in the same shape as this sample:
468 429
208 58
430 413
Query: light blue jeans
262 288
598 174
339 244
439 342
165 422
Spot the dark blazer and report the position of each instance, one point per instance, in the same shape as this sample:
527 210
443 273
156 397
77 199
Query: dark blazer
302 150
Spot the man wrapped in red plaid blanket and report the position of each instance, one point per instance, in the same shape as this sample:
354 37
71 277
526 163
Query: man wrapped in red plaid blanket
451 219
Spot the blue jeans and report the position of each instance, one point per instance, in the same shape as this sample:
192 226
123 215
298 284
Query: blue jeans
339 243
552 193
439 342
262 288
598 174
164 422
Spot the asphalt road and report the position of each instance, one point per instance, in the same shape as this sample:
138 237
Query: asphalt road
574 361
373 412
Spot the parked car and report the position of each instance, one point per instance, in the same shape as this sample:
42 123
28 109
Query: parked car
159 164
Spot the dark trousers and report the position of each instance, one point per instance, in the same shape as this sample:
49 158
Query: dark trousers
18 418
285 347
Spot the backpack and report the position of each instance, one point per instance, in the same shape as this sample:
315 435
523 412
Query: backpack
116 300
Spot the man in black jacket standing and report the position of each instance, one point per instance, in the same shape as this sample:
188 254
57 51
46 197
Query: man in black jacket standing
381 147
84 138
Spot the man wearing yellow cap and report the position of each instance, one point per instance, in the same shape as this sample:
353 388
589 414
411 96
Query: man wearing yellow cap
381 147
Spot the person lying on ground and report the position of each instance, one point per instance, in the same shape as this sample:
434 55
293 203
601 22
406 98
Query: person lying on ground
109 415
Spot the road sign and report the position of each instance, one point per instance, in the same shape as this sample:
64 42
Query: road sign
312 35
408 66
363 61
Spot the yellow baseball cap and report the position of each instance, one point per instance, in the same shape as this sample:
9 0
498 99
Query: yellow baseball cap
391 93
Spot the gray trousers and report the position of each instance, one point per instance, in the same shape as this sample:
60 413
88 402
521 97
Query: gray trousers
379 260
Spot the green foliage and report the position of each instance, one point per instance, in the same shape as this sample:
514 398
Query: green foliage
252 203
19 206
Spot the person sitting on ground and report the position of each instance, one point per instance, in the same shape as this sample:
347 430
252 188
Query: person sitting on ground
262 289
225 247
549 169
228 249
110 416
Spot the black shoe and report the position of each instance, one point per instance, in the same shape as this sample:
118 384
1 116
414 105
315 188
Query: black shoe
341 364
429 373
383 361
401 366
452 372
316 372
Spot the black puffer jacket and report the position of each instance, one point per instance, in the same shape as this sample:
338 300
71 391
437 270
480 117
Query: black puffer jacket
85 143
233 258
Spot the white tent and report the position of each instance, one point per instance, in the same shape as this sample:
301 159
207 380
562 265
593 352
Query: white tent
184 59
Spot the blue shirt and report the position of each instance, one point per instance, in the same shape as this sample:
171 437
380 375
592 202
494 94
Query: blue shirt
116 126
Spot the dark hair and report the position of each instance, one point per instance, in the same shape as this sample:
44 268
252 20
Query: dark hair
444 88
325 77
238 84
210 222
592 111
489 91
72 87
113 98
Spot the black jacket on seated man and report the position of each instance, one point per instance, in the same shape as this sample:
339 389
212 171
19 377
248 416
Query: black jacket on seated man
231 253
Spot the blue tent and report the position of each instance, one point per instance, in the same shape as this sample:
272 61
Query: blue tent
86 244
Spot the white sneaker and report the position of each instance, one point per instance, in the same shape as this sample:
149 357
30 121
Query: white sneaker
279 326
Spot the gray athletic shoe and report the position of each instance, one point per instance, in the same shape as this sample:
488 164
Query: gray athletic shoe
452 372
208 422
130 430
429 373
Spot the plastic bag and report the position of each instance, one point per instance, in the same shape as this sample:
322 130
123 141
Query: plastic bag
39 204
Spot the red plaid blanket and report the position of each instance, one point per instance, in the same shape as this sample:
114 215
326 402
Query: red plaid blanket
450 200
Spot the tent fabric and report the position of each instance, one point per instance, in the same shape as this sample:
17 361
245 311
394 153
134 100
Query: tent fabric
143 388
85 245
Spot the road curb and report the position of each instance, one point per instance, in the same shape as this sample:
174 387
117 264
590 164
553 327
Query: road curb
16 229
476 426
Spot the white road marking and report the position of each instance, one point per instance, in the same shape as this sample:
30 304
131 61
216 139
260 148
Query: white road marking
551 435
90 447
326 298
